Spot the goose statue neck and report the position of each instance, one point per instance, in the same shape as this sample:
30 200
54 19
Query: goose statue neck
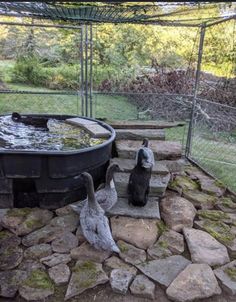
109 175
88 182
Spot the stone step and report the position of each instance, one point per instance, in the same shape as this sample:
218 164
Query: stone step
122 208
163 150
128 164
139 134
158 184
140 124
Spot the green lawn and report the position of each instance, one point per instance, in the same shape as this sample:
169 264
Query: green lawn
104 106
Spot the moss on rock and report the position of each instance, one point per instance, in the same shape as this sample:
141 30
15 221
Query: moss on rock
219 184
122 246
161 226
184 183
163 244
4 234
227 202
231 272
219 231
213 215
33 223
85 266
22 212
39 279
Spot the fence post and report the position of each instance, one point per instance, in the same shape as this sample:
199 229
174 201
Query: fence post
196 86
82 69
91 71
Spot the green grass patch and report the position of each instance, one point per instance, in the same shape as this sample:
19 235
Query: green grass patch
104 105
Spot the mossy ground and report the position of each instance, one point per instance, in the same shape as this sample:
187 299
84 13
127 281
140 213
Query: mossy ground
227 202
184 183
84 266
22 212
219 230
200 197
32 223
163 244
39 279
219 184
213 214
86 273
122 246
161 226
5 234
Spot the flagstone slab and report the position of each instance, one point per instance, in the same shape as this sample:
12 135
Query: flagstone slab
23 221
122 208
164 271
143 287
161 149
199 199
177 212
140 232
85 275
204 248
221 232
226 204
120 280
139 124
78 121
139 134
128 164
10 257
87 252
131 254
158 184
175 165
115 262
227 277
10 282
9 239
37 286
196 281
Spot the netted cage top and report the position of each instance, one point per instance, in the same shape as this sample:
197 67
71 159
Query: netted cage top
166 14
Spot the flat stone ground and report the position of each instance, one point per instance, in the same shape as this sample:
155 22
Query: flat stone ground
104 293
44 256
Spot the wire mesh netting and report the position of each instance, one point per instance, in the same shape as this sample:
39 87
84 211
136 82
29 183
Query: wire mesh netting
159 85
147 106
214 140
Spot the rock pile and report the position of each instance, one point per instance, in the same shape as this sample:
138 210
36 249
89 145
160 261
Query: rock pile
191 252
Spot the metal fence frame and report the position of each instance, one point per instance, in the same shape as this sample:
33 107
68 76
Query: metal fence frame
86 68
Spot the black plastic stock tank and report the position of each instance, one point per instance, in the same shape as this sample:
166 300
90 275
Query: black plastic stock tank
50 179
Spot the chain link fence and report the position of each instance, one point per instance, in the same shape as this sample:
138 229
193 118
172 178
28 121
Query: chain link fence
214 140
147 106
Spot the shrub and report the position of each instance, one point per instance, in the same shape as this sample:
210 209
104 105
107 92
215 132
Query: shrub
31 71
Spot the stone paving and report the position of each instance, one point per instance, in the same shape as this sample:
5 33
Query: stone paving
188 254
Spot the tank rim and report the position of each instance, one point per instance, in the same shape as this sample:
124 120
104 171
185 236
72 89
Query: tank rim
64 153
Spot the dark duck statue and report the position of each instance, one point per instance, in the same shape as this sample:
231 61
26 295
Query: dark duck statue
94 224
138 187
